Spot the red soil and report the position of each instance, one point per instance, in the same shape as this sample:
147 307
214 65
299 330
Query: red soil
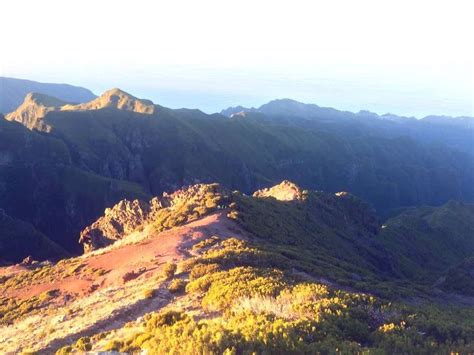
143 259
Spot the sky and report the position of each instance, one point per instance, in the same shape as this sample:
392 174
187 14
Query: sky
411 58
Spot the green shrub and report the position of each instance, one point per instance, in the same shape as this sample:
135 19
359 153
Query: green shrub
113 345
83 344
150 293
177 286
206 243
169 270
199 270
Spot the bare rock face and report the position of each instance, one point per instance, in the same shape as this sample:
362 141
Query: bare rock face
36 106
33 109
128 216
122 219
115 98
285 191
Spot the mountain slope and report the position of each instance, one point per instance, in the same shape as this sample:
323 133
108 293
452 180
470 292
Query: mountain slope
340 234
168 149
19 239
227 283
13 92
39 185
429 240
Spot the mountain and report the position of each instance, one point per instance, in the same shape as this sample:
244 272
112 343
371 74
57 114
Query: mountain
284 270
13 92
36 106
61 165
459 278
293 108
463 121
456 132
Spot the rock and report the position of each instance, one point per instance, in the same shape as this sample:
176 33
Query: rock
33 109
123 218
27 261
285 191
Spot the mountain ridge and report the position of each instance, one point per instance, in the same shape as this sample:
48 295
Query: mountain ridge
13 92
36 106
307 110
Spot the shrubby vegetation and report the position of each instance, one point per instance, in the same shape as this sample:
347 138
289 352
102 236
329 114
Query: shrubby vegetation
177 286
169 269
189 205
12 309
298 287
459 278
339 237
259 307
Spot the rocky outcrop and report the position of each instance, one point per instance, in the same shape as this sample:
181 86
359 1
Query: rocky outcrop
33 109
125 217
285 191
118 221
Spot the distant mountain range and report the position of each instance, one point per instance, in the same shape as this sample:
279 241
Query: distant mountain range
292 108
13 91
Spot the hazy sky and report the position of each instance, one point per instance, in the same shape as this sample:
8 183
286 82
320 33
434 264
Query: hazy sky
405 57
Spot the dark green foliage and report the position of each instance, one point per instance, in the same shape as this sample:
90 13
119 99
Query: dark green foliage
338 237
426 241
336 233
460 278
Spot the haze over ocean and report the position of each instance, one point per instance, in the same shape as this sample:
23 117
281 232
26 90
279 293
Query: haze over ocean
403 57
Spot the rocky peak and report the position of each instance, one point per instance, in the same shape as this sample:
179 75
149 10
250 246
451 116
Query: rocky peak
241 114
118 99
42 100
285 191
